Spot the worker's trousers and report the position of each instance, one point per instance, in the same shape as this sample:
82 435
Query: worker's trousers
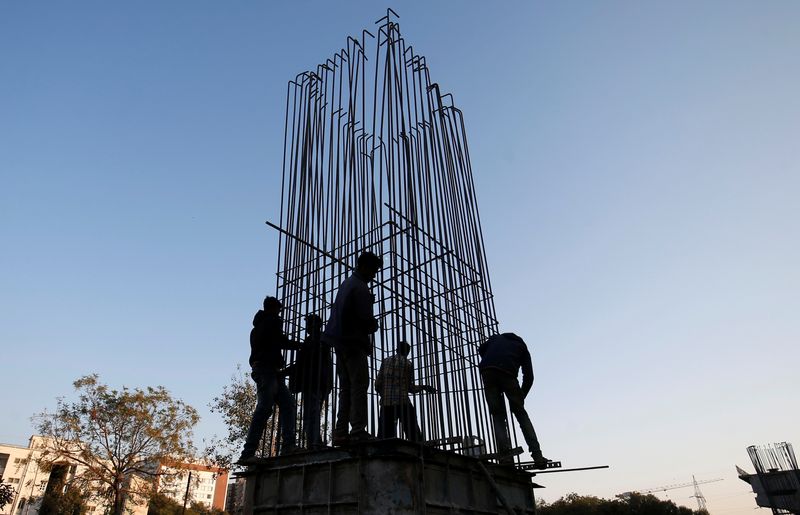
406 414
353 372
496 384
270 389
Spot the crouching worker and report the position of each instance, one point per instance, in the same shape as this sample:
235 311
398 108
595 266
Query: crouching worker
502 356
267 342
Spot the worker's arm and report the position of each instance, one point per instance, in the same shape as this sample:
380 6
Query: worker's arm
274 334
286 343
527 373
417 388
363 301
291 344
379 381
482 348
287 371
412 387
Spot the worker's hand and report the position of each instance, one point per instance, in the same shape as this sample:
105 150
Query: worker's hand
430 389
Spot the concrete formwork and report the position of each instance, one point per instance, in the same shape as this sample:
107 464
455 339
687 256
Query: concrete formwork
384 477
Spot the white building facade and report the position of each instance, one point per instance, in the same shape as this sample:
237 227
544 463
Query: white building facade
19 467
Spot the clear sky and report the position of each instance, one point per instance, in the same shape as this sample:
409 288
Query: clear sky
637 168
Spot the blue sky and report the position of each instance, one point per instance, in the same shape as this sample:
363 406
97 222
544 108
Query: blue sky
637 171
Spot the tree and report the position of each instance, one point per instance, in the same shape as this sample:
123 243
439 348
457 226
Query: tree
236 405
67 502
117 438
161 504
6 494
61 497
628 504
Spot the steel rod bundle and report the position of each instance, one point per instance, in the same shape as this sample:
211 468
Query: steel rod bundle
376 158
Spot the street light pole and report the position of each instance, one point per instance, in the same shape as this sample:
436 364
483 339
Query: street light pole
186 495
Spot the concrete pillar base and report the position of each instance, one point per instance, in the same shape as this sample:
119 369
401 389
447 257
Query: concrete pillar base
384 477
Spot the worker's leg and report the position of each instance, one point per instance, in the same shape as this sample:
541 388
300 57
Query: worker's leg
516 400
288 415
408 419
358 372
342 428
387 422
497 408
312 407
265 395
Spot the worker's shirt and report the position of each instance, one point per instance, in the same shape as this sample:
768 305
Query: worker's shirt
267 341
395 379
351 321
507 353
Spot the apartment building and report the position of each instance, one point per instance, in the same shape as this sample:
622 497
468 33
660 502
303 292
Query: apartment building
194 483
19 467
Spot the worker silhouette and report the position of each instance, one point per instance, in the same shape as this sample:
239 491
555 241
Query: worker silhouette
267 340
394 382
312 375
349 328
502 356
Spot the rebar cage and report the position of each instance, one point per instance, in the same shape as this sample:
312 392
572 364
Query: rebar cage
376 158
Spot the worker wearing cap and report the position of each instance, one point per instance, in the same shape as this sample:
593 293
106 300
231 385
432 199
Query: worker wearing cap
267 341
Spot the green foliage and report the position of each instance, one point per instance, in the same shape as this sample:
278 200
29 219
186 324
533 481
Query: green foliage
628 504
61 497
6 494
236 405
68 502
116 437
162 505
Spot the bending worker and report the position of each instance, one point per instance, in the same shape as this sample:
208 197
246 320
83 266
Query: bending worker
502 355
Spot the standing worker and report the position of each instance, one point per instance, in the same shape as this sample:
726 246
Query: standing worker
394 382
502 355
350 326
312 375
266 359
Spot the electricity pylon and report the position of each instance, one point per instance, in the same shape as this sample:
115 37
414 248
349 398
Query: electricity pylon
701 500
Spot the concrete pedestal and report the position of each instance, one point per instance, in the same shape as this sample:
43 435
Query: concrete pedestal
384 477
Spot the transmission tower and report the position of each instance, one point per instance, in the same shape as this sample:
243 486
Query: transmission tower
701 501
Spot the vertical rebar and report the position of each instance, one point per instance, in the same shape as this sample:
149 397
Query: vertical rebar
387 168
